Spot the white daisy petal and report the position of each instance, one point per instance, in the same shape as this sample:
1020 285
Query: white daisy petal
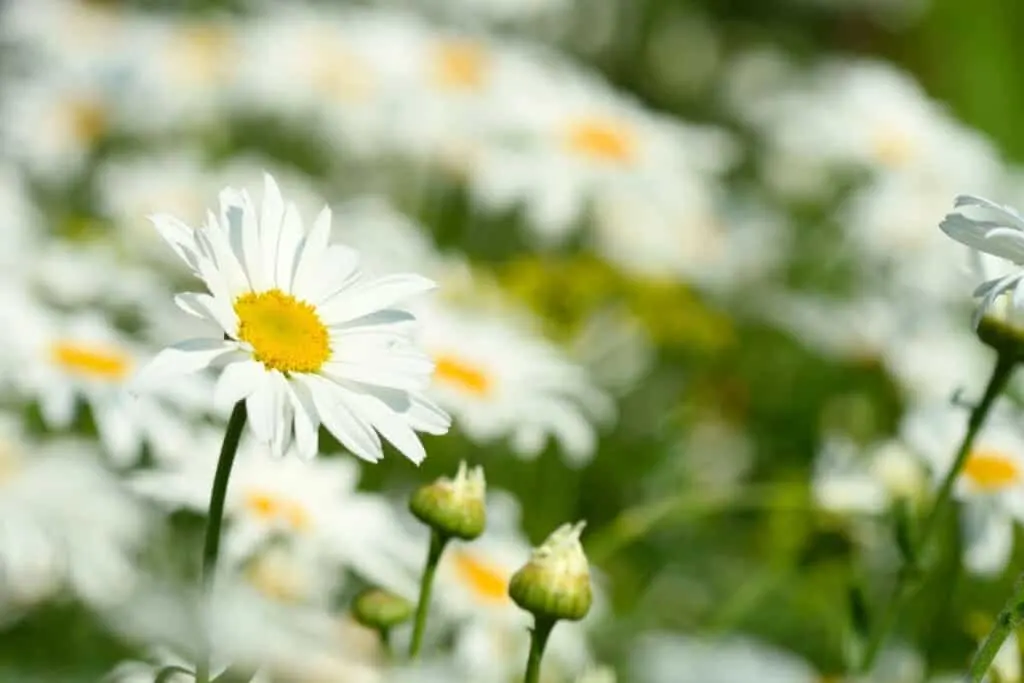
390 425
237 382
181 358
209 308
353 433
289 239
374 295
312 247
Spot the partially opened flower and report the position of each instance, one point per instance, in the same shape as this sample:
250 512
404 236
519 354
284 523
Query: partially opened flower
304 338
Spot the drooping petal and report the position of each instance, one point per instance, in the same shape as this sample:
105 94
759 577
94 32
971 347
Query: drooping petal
390 425
353 433
237 382
1008 214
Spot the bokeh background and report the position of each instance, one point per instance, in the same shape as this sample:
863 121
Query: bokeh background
699 239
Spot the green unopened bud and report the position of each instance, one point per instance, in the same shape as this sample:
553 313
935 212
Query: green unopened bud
555 583
453 507
379 609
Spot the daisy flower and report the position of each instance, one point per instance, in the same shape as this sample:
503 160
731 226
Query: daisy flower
67 523
501 380
63 363
991 484
304 338
313 504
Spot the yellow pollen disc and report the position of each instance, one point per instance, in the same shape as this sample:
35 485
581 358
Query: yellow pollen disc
269 508
275 581
991 470
86 120
203 53
462 375
602 139
94 362
461 65
484 579
893 148
286 334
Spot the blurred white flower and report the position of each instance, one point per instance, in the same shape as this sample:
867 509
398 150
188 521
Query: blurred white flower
61 362
849 479
68 113
991 484
500 379
307 340
66 523
670 658
310 504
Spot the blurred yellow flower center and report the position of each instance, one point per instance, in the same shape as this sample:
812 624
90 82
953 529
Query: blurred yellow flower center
461 65
483 578
86 120
203 53
462 375
276 579
602 139
269 507
92 361
893 147
286 334
991 470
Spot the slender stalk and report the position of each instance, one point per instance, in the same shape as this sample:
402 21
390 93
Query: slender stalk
1008 620
909 576
437 544
538 641
215 517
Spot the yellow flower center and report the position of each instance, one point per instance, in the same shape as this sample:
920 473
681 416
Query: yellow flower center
485 580
893 148
461 65
202 53
277 580
286 334
602 139
269 507
462 375
91 361
991 470
86 120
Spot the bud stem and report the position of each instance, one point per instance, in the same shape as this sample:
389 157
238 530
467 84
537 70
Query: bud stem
436 548
911 576
215 517
538 641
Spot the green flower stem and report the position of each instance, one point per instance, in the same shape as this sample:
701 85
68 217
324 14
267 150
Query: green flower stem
910 576
1006 622
538 641
437 544
215 516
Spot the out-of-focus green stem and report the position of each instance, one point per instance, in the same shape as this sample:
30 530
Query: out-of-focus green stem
909 576
434 552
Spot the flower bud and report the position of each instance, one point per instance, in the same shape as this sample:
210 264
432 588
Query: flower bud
555 583
380 609
453 507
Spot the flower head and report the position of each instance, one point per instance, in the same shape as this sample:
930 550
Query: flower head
453 507
304 338
555 583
